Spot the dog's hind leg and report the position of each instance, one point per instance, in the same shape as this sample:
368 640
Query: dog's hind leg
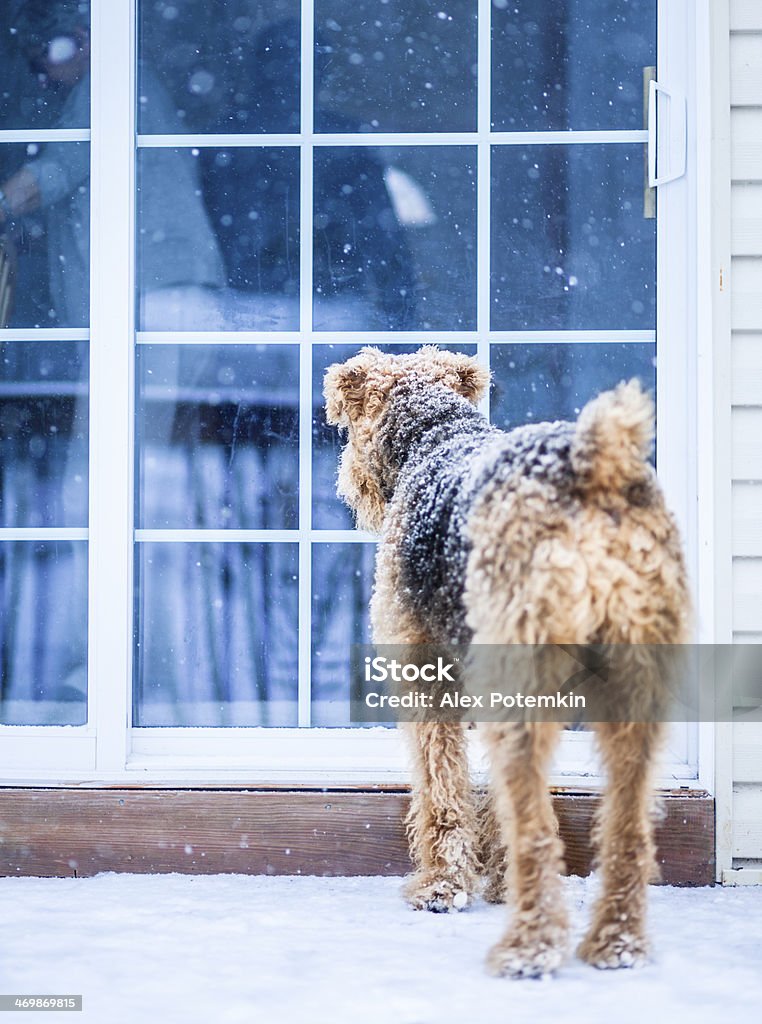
617 935
441 824
535 942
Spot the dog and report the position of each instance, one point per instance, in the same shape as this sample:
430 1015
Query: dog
552 533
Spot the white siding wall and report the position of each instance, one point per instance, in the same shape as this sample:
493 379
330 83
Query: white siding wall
746 468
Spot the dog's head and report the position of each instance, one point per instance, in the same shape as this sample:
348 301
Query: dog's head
357 393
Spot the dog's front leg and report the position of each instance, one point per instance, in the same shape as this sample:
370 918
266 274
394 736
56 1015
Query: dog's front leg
535 942
441 824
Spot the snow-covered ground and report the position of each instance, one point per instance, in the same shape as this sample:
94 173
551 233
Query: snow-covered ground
260 950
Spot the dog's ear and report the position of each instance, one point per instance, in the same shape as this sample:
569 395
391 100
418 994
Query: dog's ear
472 380
344 388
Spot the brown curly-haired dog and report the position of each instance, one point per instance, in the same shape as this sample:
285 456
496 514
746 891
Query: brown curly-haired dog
553 533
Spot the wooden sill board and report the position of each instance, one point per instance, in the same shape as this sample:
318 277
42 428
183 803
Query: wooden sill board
66 832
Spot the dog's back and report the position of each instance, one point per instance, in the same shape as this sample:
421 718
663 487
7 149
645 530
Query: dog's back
550 533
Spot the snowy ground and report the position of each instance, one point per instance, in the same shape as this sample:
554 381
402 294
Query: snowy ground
232 948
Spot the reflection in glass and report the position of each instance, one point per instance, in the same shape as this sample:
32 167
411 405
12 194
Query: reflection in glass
47 187
45 215
44 55
231 66
252 198
342 577
43 434
218 239
179 265
328 512
395 238
559 64
535 383
571 248
395 66
43 633
216 634
217 436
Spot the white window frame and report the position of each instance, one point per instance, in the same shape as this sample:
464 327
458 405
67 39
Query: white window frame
107 748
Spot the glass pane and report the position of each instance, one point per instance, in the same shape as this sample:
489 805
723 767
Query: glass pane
179 263
45 64
536 383
395 66
571 248
216 634
328 512
231 66
43 434
45 249
342 577
43 640
395 238
218 436
218 239
560 64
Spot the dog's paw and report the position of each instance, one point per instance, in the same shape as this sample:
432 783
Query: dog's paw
437 893
609 949
526 956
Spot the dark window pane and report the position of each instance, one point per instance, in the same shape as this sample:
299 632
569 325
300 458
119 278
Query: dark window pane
45 64
395 238
216 633
571 248
43 633
559 64
43 434
47 246
218 239
231 66
395 66
252 198
536 383
179 264
328 512
218 436
342 577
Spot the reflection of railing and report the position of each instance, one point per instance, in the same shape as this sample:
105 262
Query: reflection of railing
43 389
7 278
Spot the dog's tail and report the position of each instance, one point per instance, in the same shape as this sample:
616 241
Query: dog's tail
613 439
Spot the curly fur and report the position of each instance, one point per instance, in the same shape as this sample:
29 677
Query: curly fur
553 533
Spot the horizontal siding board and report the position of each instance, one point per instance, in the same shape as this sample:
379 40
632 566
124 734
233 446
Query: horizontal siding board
747 752
746 233
58 832
746 355
747 595
747 820
747 520
746 425
746 144
746 298
745 16
746 70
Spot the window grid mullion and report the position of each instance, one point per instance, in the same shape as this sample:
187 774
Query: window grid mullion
111 424
304 659
483 195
